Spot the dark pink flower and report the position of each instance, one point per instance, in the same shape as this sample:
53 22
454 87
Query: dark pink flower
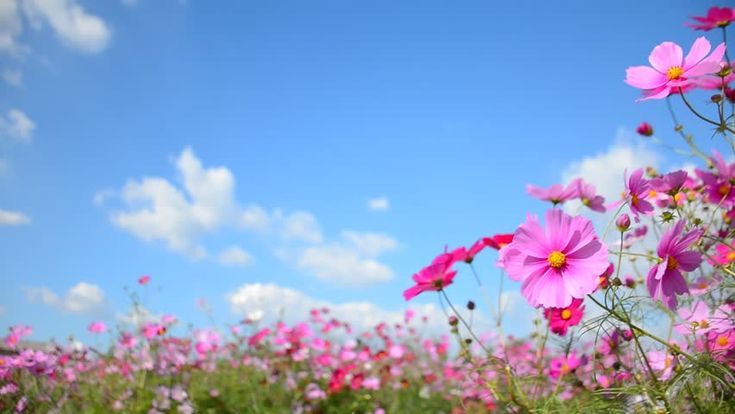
438 274
560 319
665 279
556 264
716 17
498 241
144 279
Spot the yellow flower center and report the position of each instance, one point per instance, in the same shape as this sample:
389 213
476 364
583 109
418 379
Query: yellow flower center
585 201
723 23
634 199
722 340
564 368
672 264
556 259
704 324
566 314
731 256
652 194
724 189
678 197
674 72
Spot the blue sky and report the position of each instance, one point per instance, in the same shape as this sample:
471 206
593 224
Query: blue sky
264 128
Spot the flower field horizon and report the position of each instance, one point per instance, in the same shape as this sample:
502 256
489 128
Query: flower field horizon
613 290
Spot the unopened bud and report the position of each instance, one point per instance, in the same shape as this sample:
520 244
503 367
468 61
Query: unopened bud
623 222
471 305
645 129
716 98
453 321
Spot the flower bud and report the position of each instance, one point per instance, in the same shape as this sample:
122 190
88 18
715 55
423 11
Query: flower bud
453 321
627 334
471 305
623 222
645 129
716 98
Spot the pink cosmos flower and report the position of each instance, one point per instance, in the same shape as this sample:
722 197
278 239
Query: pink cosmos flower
670 70
700 319
97 327
663 363
498 241
144 279
557 194
437 275
556 264
560 319
588 196
725 254
635 236
636 190
665 280
564 365
716 17
17 333
717 185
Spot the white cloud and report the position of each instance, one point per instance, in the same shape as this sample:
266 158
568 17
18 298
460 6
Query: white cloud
17 126
370 244
276 302
11 26
13 77
340 264
137 316
301 226
159 211
235 256
606 169
72 24
379 204
13 218
82 298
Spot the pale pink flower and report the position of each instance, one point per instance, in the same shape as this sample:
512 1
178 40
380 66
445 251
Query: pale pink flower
557 193
556 264
670 70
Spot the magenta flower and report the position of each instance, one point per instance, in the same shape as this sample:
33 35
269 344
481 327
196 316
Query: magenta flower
716 17
556 264
565 364
437 275
670 70
665 280
636 190
144 279
557 194
588 195
97 327
560 319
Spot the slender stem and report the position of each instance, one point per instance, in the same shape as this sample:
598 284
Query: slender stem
702 117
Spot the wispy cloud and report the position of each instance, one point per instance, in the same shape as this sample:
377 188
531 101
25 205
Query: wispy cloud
16 126
379 204
82 298
13 218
